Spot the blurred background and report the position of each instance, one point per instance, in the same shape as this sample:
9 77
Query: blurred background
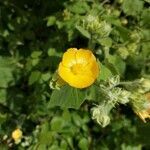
33 36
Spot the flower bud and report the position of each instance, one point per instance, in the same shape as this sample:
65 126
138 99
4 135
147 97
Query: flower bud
136 36
116 12
132 48
113 81
124 21
95 25
123 52
100 114
146 85
143 115
141 106
124 97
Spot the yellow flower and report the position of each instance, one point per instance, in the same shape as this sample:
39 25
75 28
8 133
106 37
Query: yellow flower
78 68
148 96
145 114
17 135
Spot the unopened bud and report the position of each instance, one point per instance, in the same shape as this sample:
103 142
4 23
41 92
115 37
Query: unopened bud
146 84
123 52
100 115
141 106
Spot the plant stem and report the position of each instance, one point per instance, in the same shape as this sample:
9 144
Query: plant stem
91 43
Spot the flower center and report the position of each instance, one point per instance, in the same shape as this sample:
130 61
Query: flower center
77 69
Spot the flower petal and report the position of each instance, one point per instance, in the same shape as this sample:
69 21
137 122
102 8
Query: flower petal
84 56
78 81
82 81
93 68
69 57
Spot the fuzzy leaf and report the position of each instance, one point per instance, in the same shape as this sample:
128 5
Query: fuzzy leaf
123 32
83 32
105 73
67 97
79 7
133 7
116 64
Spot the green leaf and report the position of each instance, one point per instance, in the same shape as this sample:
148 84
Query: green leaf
63 144
123 32
51 21
2 118
53 147
83 144
145 18
53 52
6 69
144 132
3 147
42 146
148 1
83 32
133 7
112 20
34 77
106 42
45 136
79 7
111 67
117 63
3 94
66 115
46 76
67 97
92 92
131 147
45 127
36 54
105 73
77 120
57 124
5 77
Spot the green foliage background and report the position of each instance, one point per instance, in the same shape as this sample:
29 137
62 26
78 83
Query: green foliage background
34 34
